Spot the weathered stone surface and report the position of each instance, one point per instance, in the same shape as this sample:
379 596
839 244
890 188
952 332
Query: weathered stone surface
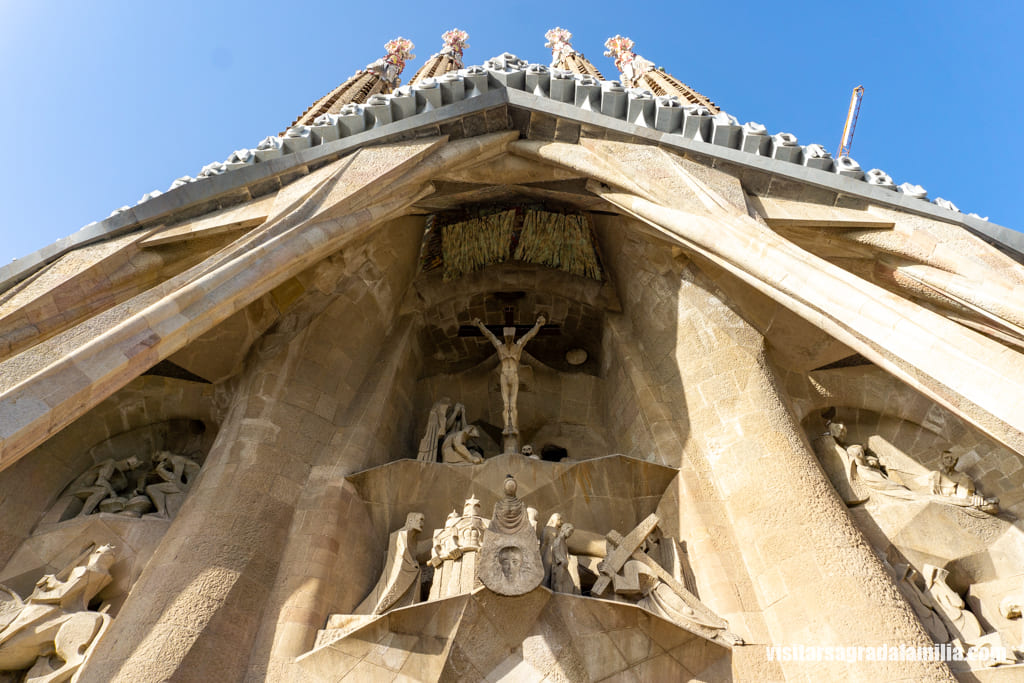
305 332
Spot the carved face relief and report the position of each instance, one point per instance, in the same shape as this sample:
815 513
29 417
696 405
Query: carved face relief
511 560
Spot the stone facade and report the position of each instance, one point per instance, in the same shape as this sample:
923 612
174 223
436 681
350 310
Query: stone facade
728 434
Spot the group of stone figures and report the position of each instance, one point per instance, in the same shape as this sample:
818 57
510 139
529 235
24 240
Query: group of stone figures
448 434
946 616
52 631
865 473
511 555
132 487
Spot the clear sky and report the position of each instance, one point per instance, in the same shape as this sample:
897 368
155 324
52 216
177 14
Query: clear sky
103 101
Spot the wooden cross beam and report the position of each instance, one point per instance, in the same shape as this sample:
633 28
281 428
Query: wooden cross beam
509 311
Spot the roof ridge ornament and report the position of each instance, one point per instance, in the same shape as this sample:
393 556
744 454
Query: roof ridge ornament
631 65
638 72
564 56
454 45
390 66
558 40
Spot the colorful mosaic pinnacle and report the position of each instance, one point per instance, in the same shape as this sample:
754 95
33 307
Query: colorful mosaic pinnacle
399 51
631 65
390 66
558 40
454 44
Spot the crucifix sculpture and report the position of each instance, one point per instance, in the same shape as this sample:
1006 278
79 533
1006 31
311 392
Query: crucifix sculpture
510 352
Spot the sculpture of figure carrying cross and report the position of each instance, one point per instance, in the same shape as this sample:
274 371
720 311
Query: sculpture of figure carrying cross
509 353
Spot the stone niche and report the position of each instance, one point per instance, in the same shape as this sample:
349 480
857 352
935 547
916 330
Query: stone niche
119 479
562 406
889 471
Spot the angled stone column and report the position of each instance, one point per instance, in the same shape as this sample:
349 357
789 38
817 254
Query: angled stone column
732 425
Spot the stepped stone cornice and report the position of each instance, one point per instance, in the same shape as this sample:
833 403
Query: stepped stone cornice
508 80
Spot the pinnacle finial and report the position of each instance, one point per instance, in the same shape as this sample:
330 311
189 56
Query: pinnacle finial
629 64
558 40
454 44
390 66
399 50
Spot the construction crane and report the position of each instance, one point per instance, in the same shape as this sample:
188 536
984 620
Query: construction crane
851 122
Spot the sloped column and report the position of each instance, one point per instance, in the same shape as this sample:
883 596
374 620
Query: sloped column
812 575
817 580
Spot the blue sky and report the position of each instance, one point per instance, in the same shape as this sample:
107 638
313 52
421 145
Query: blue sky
104 101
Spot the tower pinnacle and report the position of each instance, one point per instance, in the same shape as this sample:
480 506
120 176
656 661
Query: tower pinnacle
448 59
564 55
638 72
381 76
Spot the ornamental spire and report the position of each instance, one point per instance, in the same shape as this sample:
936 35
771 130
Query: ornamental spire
638 72
448 59
381 76
564 56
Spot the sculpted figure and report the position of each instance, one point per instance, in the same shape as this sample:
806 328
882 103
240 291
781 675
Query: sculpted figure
105 480
454 553
510 561
946 485
509 513
632 574
863 467
399 583
454 449
509 353
947 481
178 473
562 579
963 626
55 620
922 604
963 622
547 543
442 420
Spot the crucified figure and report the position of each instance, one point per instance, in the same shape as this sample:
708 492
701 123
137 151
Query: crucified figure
509 353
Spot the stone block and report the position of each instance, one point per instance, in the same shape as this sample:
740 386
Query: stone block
640 108
538 78
755 139
403 103
588 93
816 156
351 119
696 122
297 138
561 85
880 178
845 166
428 95
915 191
613 99
325 129
506 70
668 114
378 111
725 130
786 148
453 87
474 80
